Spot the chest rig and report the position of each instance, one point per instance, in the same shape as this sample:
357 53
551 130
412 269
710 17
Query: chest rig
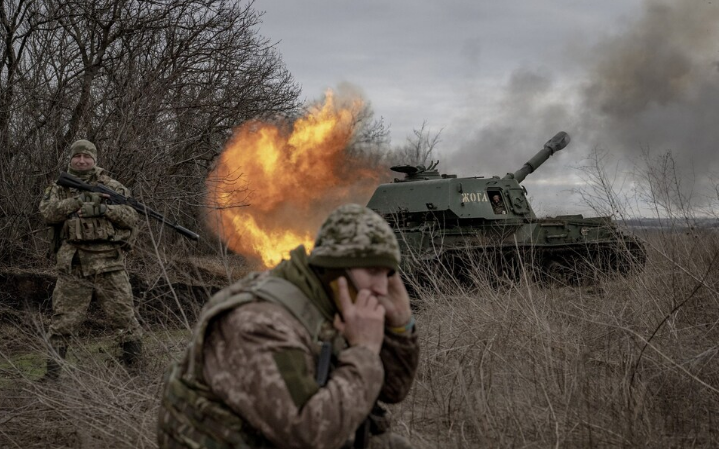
190 414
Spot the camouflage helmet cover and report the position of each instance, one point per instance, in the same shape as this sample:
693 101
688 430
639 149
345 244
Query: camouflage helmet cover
354 236
83 147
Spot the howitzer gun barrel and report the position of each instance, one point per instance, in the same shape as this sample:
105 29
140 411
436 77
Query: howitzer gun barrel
556 143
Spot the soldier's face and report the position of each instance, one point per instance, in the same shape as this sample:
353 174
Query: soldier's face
495 198
374 279
82 162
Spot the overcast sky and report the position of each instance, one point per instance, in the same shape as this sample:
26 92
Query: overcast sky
500 77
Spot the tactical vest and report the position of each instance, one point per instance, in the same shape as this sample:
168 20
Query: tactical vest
96 229
191 416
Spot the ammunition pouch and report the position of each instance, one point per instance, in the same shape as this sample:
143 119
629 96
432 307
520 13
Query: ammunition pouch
95 229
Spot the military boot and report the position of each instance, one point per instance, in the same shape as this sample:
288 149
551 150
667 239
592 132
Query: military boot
52 371
131 354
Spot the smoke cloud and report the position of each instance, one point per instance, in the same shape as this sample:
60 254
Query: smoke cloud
653 88
657 86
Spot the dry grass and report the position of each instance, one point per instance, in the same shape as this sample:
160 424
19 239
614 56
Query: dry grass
97 403
628 362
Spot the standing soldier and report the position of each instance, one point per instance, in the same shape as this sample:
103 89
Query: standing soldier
91 240
298 356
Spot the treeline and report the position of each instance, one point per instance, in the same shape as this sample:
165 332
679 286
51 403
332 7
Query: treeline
157 85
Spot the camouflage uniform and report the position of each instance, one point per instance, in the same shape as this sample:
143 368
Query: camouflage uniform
249 378
498 207
91 258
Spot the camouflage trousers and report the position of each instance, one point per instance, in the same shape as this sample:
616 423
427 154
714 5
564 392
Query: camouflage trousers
71 299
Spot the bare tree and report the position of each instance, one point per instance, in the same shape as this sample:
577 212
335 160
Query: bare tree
419 148
158 86
604 188
663 186
370 139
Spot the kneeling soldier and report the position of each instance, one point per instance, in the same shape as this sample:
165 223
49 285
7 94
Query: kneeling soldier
298 357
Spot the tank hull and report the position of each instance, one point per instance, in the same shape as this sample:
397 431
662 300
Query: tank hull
566 250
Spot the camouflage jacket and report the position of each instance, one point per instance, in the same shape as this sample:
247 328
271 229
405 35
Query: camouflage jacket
98 243
499 208
259 361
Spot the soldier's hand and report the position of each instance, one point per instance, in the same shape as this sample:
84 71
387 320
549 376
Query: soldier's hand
93 197
362 322
89 210
92 205
396 303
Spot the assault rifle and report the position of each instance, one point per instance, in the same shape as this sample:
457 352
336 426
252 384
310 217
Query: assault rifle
67 180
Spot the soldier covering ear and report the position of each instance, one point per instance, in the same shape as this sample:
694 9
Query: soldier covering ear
277 361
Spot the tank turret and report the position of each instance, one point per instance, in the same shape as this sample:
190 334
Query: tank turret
487 221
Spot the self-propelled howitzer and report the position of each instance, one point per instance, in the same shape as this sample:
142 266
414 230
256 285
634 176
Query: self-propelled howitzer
462 226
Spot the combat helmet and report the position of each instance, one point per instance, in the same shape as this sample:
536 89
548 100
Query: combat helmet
354 236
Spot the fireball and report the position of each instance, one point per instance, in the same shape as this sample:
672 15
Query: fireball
275 183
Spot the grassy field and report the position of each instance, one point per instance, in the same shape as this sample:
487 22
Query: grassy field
628 362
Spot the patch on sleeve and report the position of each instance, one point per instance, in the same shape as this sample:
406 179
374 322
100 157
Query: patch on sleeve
292 366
